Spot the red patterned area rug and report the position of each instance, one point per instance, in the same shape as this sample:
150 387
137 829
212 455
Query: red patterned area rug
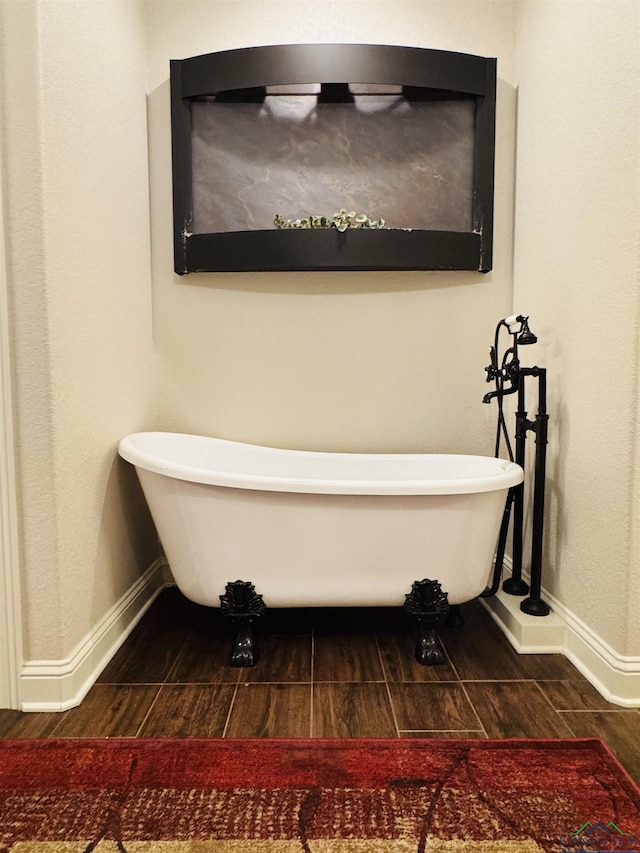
315 796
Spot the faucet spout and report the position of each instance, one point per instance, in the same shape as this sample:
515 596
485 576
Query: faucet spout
502 393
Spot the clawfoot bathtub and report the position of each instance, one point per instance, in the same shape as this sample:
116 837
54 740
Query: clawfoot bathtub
321 529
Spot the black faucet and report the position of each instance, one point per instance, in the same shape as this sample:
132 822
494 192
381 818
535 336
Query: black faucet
509 371
509 377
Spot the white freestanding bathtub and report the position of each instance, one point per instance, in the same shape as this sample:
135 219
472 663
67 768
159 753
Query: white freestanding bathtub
320 529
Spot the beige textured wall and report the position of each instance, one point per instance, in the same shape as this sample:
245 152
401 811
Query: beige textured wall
577 271
346 361
352 361
74 137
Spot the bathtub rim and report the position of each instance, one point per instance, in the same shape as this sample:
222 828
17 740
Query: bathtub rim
507 474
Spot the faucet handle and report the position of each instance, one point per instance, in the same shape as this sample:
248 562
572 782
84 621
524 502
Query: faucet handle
492 370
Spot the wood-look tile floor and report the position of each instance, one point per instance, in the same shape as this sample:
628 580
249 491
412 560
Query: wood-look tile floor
331 673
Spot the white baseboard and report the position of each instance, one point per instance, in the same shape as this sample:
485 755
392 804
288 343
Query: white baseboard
527 634
57 685
615 676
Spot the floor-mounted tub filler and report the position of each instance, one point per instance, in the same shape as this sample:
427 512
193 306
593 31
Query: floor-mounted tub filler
313 529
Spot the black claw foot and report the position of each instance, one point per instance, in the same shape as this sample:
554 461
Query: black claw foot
429 651
242 604
428 605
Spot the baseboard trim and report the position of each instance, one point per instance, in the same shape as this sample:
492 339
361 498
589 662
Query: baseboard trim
616 677
527 634
57 685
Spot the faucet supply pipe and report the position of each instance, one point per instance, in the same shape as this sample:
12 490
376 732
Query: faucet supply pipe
534 605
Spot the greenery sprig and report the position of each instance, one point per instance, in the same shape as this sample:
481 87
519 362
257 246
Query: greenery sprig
341 220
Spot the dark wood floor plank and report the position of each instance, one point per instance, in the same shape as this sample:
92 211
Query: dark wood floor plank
153 646
282 658
619 729
514 709
397 650
574 695
432 707
108 710
189 710
456 734
480 651
271 710
346 657
352 710
205 658
548 667
17 724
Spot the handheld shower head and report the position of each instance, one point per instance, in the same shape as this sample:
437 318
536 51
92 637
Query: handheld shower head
518 326
526 336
